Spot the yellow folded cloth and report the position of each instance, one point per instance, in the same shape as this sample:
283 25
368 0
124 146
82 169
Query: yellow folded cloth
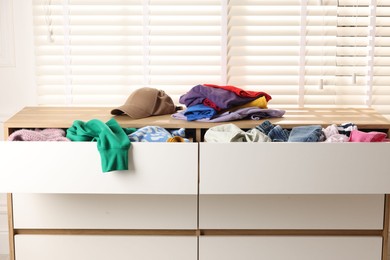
176 139
260 102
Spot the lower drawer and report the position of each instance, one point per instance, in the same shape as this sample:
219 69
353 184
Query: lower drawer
291 211
49 247
291 248
81 211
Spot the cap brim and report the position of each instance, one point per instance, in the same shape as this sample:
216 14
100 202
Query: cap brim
131 111
117 111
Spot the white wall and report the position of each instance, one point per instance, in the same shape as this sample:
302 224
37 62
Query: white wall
17 86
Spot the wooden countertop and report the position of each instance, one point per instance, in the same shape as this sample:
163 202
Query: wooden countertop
63 117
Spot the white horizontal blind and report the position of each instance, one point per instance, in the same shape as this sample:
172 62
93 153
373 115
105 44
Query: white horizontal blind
363 54
320 53
94 60
301 52
352 52
184 44
264 47
381 59
98 52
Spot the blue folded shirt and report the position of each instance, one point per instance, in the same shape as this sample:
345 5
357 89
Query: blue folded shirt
199 111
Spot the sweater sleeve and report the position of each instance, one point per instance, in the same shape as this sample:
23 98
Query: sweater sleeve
112 142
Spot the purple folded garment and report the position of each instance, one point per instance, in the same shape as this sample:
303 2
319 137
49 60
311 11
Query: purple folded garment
253 113
224 99
49 134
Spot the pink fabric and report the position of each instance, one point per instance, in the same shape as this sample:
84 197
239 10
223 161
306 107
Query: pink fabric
359 136
49 134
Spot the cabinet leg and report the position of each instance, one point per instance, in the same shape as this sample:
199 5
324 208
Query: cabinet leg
11 227
385 232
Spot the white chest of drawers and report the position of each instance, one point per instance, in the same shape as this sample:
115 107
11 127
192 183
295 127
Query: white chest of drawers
197 200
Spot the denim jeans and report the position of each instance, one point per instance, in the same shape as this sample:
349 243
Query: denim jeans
309 133
276 133
265 127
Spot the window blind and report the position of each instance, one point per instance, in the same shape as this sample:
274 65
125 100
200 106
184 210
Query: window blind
380 95
98 52
301 52
363 54
264 47
320 53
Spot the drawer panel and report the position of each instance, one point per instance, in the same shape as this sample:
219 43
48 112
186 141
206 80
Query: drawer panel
74 167
291 211
294 168
292 248
73 211
44 247
4 248
3 222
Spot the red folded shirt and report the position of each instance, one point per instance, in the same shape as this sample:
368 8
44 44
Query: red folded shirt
209 103
241 92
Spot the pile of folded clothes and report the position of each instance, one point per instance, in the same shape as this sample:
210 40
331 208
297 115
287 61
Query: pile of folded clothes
213 103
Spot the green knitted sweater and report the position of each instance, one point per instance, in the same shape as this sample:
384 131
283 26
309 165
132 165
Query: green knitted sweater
112 141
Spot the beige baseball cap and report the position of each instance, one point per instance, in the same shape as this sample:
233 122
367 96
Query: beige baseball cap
145 102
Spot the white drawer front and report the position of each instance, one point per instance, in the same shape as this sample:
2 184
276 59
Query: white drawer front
74 167
291 211
4 248
294 168
291 248
3 221
41 247
59 211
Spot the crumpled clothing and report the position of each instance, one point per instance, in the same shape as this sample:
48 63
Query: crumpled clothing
48 134
112 142
276 133
332 135
310 133
370 137
346 128
154 134
231 133
337 138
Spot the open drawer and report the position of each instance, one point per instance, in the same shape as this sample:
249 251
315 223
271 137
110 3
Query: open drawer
294 168
74 167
